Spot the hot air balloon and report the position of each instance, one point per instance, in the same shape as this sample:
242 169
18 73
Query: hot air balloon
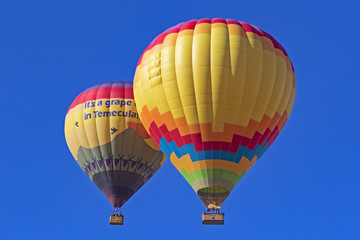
214 94
108 141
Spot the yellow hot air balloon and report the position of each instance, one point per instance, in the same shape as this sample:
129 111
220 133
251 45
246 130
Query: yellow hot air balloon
108 141
214 94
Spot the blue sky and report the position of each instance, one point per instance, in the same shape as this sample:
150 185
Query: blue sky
306 186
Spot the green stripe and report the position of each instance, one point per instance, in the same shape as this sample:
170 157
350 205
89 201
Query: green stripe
210 190
212 173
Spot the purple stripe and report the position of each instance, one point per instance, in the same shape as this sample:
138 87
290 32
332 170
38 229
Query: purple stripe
93 165
100 162
116 161
119 83
107 161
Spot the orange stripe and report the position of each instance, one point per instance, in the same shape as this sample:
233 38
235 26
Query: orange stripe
202 28
218 25
187 32
235 29
186 163
205 128
170 40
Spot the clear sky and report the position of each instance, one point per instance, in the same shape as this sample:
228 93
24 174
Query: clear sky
306 186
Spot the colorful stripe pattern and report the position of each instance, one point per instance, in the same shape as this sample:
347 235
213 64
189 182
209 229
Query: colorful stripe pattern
108 141
214 94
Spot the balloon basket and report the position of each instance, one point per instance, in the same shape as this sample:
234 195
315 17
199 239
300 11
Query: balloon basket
117 219
212 218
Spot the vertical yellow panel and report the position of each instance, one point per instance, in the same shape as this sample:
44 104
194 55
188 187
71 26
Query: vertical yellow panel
220 73
70 134
148 78
183 66
237 82
279 85
201 72
286 93
170 84
267 80
102 125
139 89
290 104
81 131
252 79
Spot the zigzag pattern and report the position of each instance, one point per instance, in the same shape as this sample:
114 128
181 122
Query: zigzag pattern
173 141
241 152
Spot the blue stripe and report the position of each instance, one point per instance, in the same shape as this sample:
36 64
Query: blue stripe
168 148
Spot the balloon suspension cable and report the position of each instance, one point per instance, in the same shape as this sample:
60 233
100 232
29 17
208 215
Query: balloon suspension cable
213 211
117 212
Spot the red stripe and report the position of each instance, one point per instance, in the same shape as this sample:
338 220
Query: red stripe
204 20
218 20
255 140
196 139
235 143
163 129
264 137
249 28
154 133
273 135
176 137
191 25
225 146
174 30
158 132
105 92
141 57
230 21
273 140
160 39
186 139
152 44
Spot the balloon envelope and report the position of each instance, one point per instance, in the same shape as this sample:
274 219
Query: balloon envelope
108 141
214 94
